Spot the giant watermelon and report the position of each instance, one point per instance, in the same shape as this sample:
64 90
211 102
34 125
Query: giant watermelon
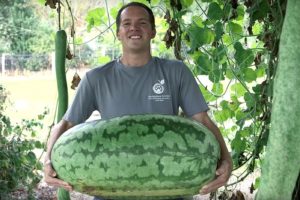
137 156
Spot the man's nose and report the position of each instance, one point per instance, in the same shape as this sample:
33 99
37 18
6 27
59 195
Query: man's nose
134 26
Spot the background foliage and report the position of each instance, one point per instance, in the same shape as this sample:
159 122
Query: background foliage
18 162
231 47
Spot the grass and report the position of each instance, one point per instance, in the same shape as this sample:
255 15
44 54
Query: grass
32 93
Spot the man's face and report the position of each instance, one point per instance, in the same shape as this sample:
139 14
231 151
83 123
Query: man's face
135 31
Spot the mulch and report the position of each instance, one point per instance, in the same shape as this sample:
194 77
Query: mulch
45 192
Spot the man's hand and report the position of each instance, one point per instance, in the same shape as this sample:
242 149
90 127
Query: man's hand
222 175
50 178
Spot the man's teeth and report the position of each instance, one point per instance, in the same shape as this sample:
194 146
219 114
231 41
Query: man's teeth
135 37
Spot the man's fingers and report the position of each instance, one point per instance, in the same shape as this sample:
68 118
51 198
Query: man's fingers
53 174
212 186
58 183
220 171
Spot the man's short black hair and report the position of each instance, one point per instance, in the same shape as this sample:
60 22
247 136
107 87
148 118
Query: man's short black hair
149 11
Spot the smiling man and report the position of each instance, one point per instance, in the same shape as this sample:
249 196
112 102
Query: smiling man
135 30
137 83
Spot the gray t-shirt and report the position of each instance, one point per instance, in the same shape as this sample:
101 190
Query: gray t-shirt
159 87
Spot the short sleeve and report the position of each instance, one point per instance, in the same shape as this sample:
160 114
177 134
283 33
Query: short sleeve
83 104
191 99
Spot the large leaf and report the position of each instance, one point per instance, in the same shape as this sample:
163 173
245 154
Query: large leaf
214 11
244 57
216 73
94 17
217 89
200 36
249 75
238 90
204 64
219 30
209 97
223 115
235 30
259 10
198 21
186 3
219 54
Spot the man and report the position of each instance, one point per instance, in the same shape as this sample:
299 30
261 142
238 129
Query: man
138 83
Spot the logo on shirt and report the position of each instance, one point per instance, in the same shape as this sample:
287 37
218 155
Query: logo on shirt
158 88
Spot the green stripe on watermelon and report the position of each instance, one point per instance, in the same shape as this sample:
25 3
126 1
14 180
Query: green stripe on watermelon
138 156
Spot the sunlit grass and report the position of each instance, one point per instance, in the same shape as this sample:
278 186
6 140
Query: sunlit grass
31 94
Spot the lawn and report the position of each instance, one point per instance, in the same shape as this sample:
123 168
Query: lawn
32 93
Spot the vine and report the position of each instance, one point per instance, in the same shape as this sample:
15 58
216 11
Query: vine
249 73
234 46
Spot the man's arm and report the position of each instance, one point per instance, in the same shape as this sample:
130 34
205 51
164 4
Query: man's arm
225 164
49 173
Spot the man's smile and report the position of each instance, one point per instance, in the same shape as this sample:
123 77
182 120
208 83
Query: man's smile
135 37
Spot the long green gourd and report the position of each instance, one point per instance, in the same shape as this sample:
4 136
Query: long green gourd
60 58
282 161
137 157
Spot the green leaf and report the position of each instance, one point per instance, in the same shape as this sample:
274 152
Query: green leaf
94 17
238 90
244 57
186 3
217 89
214 11
219 54
227 39
204 64
103 59
198 21
31 158
257 183
257 89
234 105
114 11
207 95
154 2
235 29
259 11
249 99
249 75
38 145
78 40
219 30
222 115
240 115
240 12
238 144
245 132
200 36
257 28
216 74
229 74
261 71
224 104
41 1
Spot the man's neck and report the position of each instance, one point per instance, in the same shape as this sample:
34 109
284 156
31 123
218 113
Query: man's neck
135 60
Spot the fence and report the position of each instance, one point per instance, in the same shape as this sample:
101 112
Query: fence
21 62
11 63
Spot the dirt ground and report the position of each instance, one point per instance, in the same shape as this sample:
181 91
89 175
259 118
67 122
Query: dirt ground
241 191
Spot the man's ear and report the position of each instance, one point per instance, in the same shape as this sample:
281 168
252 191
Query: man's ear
153 33
118 36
